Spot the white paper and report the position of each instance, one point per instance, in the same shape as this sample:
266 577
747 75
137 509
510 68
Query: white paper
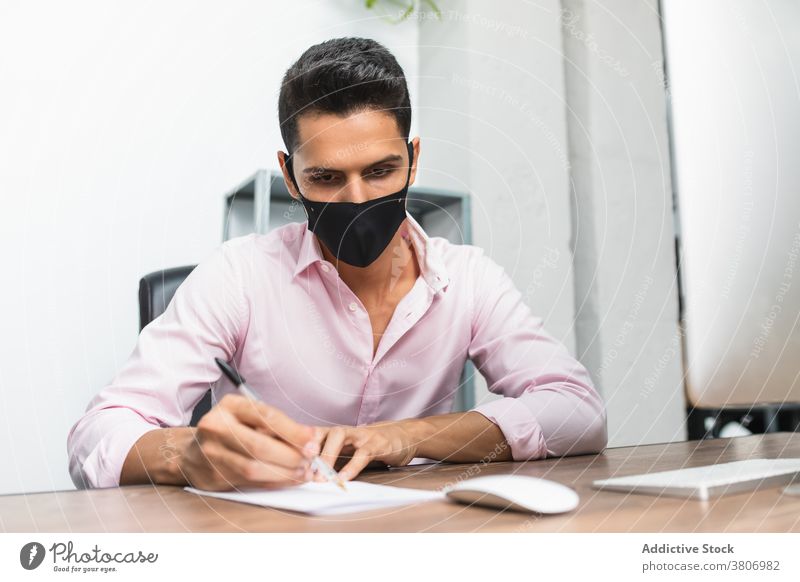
327 498
419 461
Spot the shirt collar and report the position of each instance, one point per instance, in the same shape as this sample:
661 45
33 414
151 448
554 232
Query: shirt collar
430 260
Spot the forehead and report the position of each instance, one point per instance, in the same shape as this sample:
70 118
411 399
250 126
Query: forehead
337 141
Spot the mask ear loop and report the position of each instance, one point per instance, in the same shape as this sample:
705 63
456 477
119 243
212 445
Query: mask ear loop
288 162
410 160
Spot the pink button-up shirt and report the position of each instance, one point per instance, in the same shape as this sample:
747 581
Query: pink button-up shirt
273 305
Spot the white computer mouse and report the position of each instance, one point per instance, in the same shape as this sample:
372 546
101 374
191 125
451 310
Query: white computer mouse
517 492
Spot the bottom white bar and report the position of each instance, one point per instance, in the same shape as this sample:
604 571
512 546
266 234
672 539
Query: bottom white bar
386 557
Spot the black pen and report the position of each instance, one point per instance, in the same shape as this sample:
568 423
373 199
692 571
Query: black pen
321 466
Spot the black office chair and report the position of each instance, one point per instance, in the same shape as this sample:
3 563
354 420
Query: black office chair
155 292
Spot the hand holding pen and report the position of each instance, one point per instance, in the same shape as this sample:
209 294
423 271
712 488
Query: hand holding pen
316 464
241 444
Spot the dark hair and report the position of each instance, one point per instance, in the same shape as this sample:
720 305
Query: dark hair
343 76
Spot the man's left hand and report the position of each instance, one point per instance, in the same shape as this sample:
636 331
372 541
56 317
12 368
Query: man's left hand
387 442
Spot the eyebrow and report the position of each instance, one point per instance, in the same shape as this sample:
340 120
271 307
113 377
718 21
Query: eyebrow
319 169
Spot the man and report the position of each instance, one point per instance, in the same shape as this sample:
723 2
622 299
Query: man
353 327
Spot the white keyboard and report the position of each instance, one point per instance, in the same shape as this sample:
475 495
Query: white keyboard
709 480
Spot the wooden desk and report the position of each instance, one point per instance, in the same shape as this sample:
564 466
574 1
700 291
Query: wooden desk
147 508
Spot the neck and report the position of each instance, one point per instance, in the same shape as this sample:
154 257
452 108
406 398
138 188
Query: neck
380 279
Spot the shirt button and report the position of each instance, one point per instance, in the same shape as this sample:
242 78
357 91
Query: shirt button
352 306
326 268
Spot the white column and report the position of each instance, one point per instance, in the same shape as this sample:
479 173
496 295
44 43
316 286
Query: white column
492 119
625 271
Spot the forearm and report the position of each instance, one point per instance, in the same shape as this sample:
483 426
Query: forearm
155 457
460 437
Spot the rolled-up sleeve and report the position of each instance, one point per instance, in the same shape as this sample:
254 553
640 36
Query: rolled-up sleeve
170 369
550 406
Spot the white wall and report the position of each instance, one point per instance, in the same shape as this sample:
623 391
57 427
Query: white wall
122 125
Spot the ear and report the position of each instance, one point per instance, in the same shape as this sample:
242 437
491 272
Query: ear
286 177
416 145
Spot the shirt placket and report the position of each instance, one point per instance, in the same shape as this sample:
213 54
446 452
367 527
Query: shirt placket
407 313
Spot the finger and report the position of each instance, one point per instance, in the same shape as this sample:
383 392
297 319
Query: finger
360 460
320 433
223 426
332 447
240 471
273 421
257 445
345 454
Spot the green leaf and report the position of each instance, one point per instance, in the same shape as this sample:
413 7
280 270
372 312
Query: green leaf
408 7
435 8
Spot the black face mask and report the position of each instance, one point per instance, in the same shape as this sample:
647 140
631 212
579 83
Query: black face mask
356 232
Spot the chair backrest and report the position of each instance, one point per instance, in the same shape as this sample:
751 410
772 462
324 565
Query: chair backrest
156 290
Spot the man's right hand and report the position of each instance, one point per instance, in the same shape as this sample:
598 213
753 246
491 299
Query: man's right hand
244 443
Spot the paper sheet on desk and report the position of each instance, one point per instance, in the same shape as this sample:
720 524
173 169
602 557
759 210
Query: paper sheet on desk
327 498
